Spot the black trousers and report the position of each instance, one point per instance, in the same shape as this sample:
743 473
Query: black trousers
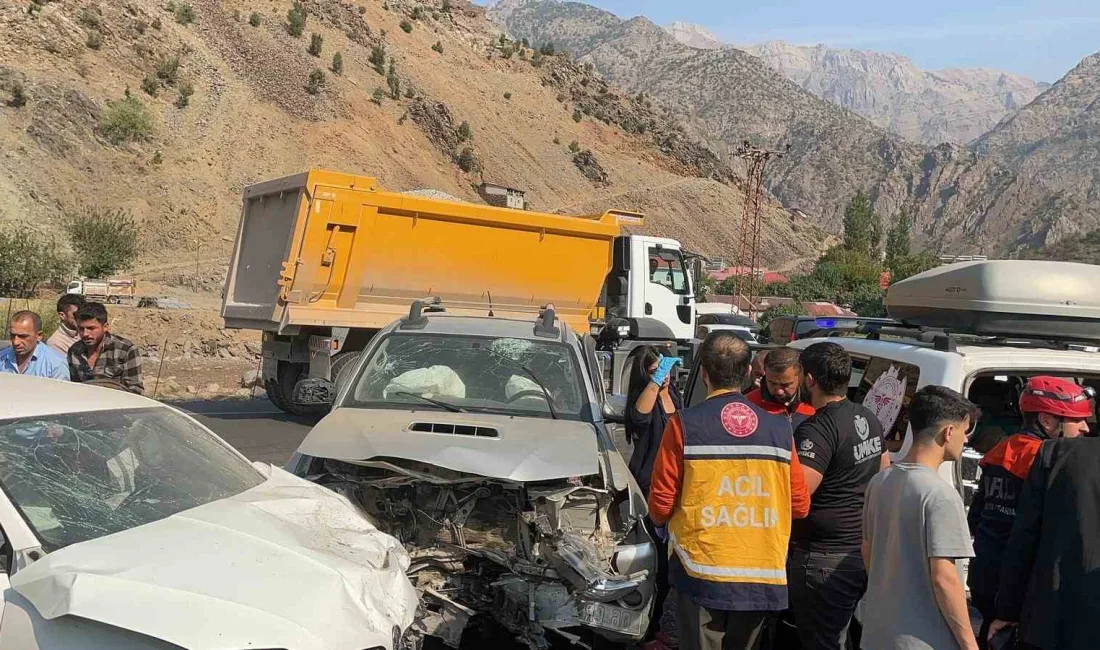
702 628
824 590
661 583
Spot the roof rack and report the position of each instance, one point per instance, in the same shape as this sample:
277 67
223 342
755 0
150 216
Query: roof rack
948 341
545 326
416 319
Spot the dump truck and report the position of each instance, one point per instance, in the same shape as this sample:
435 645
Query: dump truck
108 290
323 260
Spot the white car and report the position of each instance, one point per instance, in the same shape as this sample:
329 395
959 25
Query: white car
127 524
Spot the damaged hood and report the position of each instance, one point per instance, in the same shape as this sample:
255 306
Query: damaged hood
514 448
286 564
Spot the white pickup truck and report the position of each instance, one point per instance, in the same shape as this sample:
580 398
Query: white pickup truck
982 328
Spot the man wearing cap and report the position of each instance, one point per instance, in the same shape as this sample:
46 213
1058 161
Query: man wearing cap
1052 408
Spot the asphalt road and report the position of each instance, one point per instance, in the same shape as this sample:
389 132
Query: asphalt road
255 427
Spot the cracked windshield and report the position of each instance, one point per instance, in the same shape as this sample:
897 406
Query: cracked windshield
76 477
477 374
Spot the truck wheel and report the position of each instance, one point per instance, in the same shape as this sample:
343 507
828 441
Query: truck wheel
281 389
342 366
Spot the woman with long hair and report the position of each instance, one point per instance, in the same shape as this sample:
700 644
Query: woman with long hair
651 401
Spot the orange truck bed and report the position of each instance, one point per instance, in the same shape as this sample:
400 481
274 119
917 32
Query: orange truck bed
327 249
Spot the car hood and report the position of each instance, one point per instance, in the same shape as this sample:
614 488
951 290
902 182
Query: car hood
524 449
286 564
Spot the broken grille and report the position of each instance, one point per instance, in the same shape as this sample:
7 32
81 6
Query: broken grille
455 429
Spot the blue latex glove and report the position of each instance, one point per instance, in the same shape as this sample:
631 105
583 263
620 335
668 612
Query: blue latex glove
664 367
662 533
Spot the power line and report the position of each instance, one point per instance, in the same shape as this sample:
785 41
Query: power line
757 159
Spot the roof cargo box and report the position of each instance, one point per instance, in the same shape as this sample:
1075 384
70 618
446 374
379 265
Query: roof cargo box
1006 298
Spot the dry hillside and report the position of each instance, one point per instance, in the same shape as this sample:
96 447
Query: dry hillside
251 117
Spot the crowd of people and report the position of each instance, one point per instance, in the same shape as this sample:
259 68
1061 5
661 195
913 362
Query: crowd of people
776 495
82 349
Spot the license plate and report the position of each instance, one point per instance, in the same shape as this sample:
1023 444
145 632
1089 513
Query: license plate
610 617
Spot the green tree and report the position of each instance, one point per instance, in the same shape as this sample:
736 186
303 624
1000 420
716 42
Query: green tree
866 301
104 240
29 260
859 220
393 81
337 64
911 265
897 240
316 42
467 160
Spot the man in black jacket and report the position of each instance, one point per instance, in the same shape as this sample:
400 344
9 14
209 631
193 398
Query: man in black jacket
1050 578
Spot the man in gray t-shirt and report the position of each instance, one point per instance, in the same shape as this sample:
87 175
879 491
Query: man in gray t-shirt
914 528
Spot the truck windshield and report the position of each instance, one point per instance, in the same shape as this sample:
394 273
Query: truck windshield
475 374
666 268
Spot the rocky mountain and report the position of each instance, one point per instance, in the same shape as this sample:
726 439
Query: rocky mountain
169 109
954 105
695 36
1027 183
927 106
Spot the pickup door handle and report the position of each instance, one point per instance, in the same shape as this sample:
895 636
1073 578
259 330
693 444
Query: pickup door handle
648 309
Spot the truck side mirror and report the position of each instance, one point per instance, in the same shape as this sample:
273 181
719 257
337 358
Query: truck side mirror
614 409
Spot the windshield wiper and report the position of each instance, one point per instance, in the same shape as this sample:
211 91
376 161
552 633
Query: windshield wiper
441 404
533 376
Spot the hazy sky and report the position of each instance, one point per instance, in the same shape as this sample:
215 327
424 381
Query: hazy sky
1042 39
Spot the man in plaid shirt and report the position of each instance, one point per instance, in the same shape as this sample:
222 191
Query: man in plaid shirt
100 355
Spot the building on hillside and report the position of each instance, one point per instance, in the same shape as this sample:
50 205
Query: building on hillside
817 309
738 304
953 259
502 196
764 275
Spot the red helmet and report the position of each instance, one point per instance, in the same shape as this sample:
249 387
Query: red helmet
1059 397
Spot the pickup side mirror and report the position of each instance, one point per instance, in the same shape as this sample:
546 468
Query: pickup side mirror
614 409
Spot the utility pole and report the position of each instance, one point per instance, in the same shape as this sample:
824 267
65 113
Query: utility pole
756 160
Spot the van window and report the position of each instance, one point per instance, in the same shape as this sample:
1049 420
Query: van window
885 386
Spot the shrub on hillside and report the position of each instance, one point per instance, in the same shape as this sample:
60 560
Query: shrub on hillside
104 240
417 13
577 115
185 14
316 81
467 160
378 58
465 132
156 24
507 95
378 96
94 40
574 146
296 20
255 19
337 64
438 47
316 42
393 81
150 85
89 18
18 96
186 90
126 120
168 70
406 26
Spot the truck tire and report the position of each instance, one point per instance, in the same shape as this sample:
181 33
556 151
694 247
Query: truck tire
342 366
281 389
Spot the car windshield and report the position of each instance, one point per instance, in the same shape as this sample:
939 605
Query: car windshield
79 476
471 373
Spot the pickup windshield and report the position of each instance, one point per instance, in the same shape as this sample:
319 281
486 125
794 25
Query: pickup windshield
471 373
79 476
